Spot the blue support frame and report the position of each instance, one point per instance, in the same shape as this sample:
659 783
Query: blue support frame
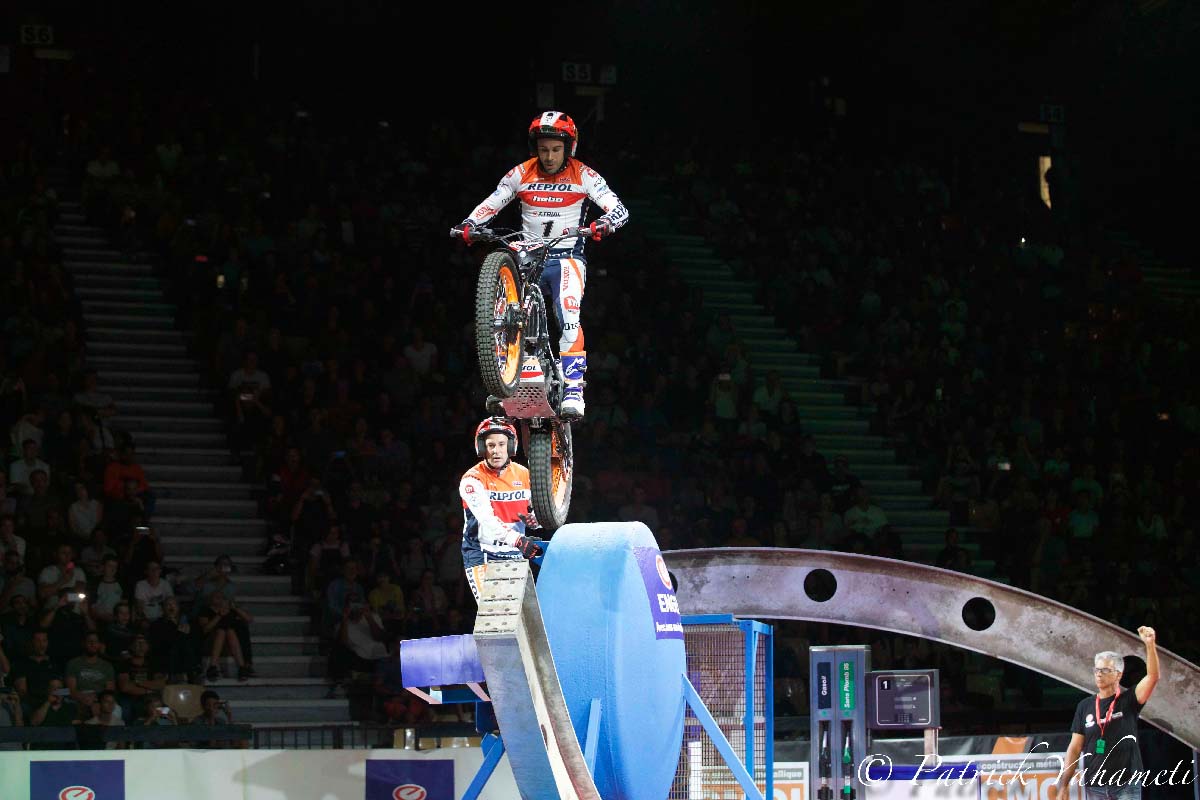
744 779
493 750
753 633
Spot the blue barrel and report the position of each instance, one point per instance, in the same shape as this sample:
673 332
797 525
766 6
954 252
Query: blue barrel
612 621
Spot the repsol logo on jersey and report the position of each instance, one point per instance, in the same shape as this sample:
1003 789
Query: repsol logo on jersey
501 497
548 187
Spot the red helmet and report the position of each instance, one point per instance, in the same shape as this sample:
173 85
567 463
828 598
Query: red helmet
554 125
495 425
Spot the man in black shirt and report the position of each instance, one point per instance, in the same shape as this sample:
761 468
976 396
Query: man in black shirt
1104 745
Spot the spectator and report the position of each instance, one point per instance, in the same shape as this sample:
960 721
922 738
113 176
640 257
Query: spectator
96 553
420 354
137 675
105 712
63 574
863 517
89 675
9 540
32 675
108 591
97 405
358 644
415 560
173 645
143 548
17 624
1083 521
56 710
842 486
953 555
150 593
325 558
386 600
118 634
379 556
40 506
152 711
429 605
770 394
219 579
218 623
14 583
85 514
249 389
20 472
216 713
639 510
335 595
10 715
119 474
28 427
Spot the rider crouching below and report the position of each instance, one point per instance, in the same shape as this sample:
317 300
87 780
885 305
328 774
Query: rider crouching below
554 189
495 498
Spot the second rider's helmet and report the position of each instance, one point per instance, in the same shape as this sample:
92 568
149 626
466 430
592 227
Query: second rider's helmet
495 425
554 125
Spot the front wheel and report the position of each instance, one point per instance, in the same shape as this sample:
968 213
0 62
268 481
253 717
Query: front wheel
499 335
551 467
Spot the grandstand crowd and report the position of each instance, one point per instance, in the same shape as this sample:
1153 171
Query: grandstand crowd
1039 389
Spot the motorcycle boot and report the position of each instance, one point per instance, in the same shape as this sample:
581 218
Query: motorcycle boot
573 367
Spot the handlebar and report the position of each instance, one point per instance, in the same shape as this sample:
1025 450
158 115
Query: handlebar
472 235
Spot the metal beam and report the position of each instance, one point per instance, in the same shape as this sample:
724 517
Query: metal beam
918 600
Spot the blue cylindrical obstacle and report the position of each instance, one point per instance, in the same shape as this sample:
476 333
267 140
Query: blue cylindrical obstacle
612 621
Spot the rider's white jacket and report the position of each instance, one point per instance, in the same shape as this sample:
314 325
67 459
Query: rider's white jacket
553 204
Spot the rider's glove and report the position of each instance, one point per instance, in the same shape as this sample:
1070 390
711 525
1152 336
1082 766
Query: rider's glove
531 523
600 228
529 546
464 230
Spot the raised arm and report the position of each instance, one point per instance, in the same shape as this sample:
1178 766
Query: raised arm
1145 686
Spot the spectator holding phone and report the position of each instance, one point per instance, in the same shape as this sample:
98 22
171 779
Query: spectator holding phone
68 620
56 710
216 712
152 711
62 574
143 548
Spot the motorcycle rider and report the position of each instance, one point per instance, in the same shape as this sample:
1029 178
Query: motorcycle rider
554 188
495 498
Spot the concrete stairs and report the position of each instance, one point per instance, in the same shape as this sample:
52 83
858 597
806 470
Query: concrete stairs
204 507
839 427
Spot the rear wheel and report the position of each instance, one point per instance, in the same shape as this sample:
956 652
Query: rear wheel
551 467
499 337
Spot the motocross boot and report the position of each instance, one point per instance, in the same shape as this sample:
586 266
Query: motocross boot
573 367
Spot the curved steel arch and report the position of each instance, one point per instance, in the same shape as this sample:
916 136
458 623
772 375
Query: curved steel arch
919 600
